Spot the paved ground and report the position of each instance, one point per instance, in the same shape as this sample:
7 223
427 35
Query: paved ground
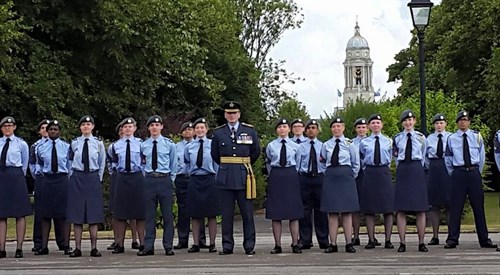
468 258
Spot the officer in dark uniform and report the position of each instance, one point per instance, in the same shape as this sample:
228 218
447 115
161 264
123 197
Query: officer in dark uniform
235 147
465 158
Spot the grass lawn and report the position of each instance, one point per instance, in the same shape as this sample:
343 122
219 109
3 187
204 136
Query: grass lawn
491 204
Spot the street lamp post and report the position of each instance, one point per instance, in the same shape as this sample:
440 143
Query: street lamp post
420 14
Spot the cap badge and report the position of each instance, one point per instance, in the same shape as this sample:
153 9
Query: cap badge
314 122
9 120
363 121
410 114
465 113
156 119
55 122
87 118
231 104
378 117
129 121
441 117
338 120
283 121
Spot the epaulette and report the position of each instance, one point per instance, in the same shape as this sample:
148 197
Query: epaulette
75 139
220 126
168 140
139 139
348 141
247 125
98 138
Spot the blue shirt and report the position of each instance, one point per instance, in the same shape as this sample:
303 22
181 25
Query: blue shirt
301 138
454 150
367 150
273 151
109 159
357 140
35 168
417 146
167 155
305 150
496 147
348 153
181 165
97 154
191 155
431 144
44 154
119 150
17 154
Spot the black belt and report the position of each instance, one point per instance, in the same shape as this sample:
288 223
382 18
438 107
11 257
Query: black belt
182 176
309 174
157 175
381 165
90 172
467 168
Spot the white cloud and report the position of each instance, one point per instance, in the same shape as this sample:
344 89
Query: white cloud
316 50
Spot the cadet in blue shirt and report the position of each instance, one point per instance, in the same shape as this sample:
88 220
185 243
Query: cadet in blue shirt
55 166
339 195
464 158
411 185
311 172
160 160
203 199
377 190
129 202
235 147
14 197
283 190
88 160
181 187
438 180
297 126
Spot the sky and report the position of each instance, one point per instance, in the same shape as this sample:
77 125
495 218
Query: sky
316 51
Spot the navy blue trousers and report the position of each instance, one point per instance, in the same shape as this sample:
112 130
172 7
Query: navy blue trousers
228 198
466 183
183 219
310 190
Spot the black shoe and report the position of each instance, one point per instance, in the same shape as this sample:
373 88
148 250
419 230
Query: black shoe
450 245
349 248
194 249
141 248
42 251
498 249
388 245
75 253
95 253
212 249
169 252
276 250
402 247
226 251
111 246
296 249
249 251
19 253
332 248
356 241
434 241
67 250
118 249
135 245
203 246
370 245
181 246
146 252
323 246
422 248
3 254
376 242
305 246
488 244
35 249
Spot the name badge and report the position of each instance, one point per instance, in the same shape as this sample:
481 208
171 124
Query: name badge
244 138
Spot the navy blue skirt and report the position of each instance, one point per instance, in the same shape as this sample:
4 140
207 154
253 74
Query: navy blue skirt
129 201
377 195
359 183
411 187
203 198
14 197
284 201
439 184
54 196
111 190
85 203
339 194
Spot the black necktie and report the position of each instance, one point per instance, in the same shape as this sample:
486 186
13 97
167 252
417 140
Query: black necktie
283 153
154 156
54 167
3 158
376 154
233 133
85 156
298 141
128 158
440 149
313 160
199 157
335 155
467 161
408 148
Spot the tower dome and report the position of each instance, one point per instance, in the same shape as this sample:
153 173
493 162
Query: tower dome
357 41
